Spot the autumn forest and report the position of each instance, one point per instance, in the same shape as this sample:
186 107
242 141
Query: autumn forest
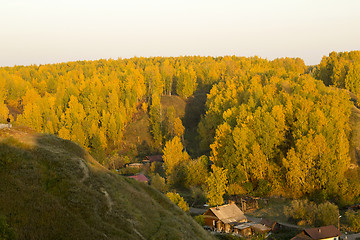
260 127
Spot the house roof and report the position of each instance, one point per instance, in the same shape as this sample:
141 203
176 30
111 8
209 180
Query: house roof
318 233
135 164
269 223
228 213
323 232
154 158
243 226
301 236
260 228
140 178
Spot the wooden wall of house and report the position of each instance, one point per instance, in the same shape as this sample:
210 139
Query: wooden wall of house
243 232
219 226
210 219
228 228
210 222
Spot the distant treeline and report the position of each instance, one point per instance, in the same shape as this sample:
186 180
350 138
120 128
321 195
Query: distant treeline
273 127
90 102
341 70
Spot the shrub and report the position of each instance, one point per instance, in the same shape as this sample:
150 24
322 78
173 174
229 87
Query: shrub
6 233
353 219
327 214
263 187
302 210
178 200
129 171
308 213
236 189
198 196
200 220
158 182
197 171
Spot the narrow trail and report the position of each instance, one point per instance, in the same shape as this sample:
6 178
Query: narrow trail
85 170
139 234
109 202
135 230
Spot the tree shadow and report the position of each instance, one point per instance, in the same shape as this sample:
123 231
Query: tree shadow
194 110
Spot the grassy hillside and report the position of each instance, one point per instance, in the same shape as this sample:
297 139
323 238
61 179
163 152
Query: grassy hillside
137 141
51 188
174 101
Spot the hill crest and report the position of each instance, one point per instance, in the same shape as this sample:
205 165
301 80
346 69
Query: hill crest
51 188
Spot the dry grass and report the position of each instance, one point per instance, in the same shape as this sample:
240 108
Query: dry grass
46 193
137 131
174 101
272 208
138 141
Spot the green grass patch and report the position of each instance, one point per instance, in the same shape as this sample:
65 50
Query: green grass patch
272 208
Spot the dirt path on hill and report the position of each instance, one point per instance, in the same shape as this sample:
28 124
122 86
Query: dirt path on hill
132 222
109 201
84 169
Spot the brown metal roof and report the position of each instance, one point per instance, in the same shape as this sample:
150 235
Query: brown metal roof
323 232
301 236
318 233
228 213
154 158
269 223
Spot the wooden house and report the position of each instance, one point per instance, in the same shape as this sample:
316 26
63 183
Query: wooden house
224 218
321 233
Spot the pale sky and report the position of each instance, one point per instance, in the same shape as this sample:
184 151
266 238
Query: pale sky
45 31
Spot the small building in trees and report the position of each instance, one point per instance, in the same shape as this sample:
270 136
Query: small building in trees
273 225
224 217
140 178
320 233
135 165
246 203
243 229
247 229
153 159
260 228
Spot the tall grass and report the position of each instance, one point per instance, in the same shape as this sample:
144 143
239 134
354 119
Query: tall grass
46 194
